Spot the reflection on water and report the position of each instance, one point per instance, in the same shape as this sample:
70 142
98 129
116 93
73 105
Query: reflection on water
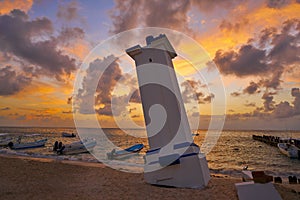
234 149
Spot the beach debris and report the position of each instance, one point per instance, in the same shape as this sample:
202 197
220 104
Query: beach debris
250 191
292 180
277 179
261 177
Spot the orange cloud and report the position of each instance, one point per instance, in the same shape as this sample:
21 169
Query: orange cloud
79 48
246 24
8 5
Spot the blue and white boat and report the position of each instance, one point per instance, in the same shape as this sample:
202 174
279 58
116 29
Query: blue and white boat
5 141
81 146
122 154
27 145
65 134
289 150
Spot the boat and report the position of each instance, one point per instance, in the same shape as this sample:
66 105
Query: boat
121 154
64 134
289 150
28 145
5 141
83 146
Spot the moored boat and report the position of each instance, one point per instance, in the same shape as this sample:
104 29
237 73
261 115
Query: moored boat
27 145
289 150
133 150
64 134
5 141
83 146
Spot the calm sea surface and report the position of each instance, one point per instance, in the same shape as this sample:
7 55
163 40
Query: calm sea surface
233 151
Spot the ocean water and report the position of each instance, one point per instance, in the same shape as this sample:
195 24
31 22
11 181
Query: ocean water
233 151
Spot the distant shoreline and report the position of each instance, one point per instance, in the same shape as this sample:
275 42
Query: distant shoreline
246 130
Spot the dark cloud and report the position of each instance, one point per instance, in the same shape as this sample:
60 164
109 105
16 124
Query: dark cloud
125 15
132 109
5 108
191 92
11 82
267 57
249 60
283 110
266 35
272 110
135 116
69 100
68 11
67 112
296 93
109 72
278 3
107 82
128 14
135 97
285 49
209 6
251 104
207 99
20 36
235 94
68 35
252 88
226 25
168 13
269 104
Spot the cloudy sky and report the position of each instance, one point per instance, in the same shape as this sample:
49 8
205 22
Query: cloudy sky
254 44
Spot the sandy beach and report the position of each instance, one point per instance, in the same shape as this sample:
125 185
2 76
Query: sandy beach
26 178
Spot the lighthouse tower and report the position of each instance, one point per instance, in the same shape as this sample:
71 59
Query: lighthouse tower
173 159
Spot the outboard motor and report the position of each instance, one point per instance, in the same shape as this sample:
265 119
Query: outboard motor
55 146
59 145
60 150
10 144
278 180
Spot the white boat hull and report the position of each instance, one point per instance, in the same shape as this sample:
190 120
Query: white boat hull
5 141
289 150
78 147
29 145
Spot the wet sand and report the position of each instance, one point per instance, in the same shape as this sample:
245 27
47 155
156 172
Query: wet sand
26 178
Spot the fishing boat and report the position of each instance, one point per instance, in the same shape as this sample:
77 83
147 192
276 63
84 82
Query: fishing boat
65 134
5 141
121 154
78 147
289 150
28 145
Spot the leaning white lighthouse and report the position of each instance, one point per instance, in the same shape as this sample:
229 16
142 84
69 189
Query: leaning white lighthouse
173 159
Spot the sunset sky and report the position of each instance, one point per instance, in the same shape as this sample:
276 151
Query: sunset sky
254 44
